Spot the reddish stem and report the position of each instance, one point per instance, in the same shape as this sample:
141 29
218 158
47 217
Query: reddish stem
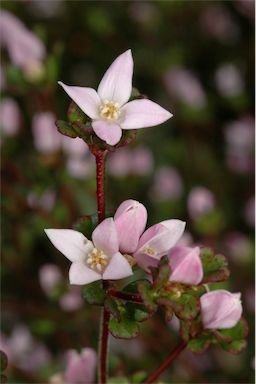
100 180
172 356
134 297
100 157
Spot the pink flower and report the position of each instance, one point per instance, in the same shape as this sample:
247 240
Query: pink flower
92 260
167 184
186 266
109 108
200 201
10 116
72 300
80 367
130 220
25 49
46 137
156 241
49 277
220 309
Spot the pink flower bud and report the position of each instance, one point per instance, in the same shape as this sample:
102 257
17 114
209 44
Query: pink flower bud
130 220
186 266
46 137
220 309
81 367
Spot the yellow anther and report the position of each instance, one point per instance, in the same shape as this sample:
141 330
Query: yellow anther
149 251
97 260
110 110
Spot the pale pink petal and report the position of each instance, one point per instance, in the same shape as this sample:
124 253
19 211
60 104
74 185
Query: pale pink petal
186 265
146 261
118 268
116 84
142 113
220 309
105 238
87 99
160 238
80 274
130 219
74 245
109 132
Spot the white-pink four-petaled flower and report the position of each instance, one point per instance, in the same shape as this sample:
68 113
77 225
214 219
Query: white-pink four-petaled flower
109 108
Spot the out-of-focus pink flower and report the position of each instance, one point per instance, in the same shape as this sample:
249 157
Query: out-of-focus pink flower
130 220
200 201
186 239
80 367
72 300
143 12
228 80
239 136
49 277
156 241
10 117
46 201
249 211
127 161
80 167
182 84
45 9
74 147
24 351
185 264
217 22
25 49
46 137
238 247
167 184
220 309
109 108
92 261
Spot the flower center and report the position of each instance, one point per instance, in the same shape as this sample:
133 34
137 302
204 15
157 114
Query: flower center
97 260
149 251
109 110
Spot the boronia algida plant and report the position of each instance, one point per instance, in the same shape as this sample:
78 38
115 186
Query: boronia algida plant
176 278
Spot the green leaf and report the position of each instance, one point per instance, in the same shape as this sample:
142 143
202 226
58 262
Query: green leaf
138 377
144 288
185 330
232 339
199 345
94 293
75 113
118 380
137 312
186 307
163 274
124 329
86 224
66 129
115 307
215 266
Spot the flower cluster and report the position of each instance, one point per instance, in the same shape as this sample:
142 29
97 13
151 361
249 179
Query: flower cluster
121 242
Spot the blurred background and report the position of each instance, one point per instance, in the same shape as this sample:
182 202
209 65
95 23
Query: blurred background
196 59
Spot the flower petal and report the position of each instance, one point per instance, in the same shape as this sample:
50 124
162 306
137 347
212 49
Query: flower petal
116 84
186 265
109 132
220 309
105 238
146 261
86 98
142 113
130 220
161 237
73 244
118 268
80 274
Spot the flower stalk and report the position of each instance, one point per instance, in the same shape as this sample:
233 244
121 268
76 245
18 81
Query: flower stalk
172 356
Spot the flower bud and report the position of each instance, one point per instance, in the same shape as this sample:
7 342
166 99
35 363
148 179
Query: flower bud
220 309
130 220
186 266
